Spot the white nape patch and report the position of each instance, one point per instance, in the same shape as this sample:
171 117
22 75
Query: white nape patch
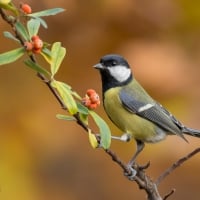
146 107
120 73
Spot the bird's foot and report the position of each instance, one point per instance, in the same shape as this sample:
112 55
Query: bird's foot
130 173
126 137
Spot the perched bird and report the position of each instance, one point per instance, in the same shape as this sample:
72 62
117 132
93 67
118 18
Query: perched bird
132 109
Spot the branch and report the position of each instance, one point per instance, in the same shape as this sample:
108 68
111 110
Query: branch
169 194
144 182
52 89
11 22
176 164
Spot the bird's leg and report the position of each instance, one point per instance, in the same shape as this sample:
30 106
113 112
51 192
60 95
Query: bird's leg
140 147
126 137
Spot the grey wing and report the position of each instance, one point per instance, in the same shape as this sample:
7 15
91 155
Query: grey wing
153 112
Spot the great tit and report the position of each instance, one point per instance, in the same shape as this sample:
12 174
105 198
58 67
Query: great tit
132 109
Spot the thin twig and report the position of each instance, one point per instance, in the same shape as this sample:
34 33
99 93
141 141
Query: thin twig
53 90
12 22
175 165
169 194
116 159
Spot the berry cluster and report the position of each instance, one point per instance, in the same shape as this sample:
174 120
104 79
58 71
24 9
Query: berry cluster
35 45
91 99
25 8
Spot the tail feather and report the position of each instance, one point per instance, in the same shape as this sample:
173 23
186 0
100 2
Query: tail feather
190 131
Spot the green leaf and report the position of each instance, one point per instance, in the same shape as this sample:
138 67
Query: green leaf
8 5
65 117
46 13
65 93
10 36
82 109
83 113
75 94
84 118
33 26
46 54
42 22
22 30
37 67
11 56
104 130
5 2
93 140
57 54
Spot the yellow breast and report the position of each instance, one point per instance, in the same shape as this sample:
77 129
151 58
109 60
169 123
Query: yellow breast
126 121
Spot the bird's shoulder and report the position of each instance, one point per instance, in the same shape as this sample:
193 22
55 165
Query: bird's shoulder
140 103
134 91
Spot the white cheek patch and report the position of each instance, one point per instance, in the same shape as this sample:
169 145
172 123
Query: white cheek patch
120 73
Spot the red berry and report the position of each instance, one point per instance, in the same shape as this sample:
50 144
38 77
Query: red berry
36 51
38 43
86 101
26 8
91 100
94 98
28 46
92 106
98 103
89 92
35 37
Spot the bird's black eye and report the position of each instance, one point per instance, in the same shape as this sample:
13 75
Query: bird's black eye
113 63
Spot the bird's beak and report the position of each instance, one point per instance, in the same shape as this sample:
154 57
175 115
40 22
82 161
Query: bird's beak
98 66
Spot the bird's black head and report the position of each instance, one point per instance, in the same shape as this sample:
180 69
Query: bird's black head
115 71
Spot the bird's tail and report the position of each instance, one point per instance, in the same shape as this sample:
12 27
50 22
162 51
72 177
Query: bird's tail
192 132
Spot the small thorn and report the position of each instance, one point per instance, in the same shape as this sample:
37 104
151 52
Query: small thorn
169 194
142 167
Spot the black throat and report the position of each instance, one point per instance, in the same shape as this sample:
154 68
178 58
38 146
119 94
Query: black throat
109 82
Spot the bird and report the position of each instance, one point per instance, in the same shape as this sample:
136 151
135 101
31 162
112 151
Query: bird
132 109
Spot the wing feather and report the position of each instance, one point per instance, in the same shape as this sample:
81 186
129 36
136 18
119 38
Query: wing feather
152 111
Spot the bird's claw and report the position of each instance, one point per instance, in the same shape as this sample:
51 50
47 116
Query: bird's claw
130 173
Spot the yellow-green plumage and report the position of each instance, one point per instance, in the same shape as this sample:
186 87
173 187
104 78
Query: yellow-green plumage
139 128
132 110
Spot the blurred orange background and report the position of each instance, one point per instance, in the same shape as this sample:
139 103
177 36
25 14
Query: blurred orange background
43 158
